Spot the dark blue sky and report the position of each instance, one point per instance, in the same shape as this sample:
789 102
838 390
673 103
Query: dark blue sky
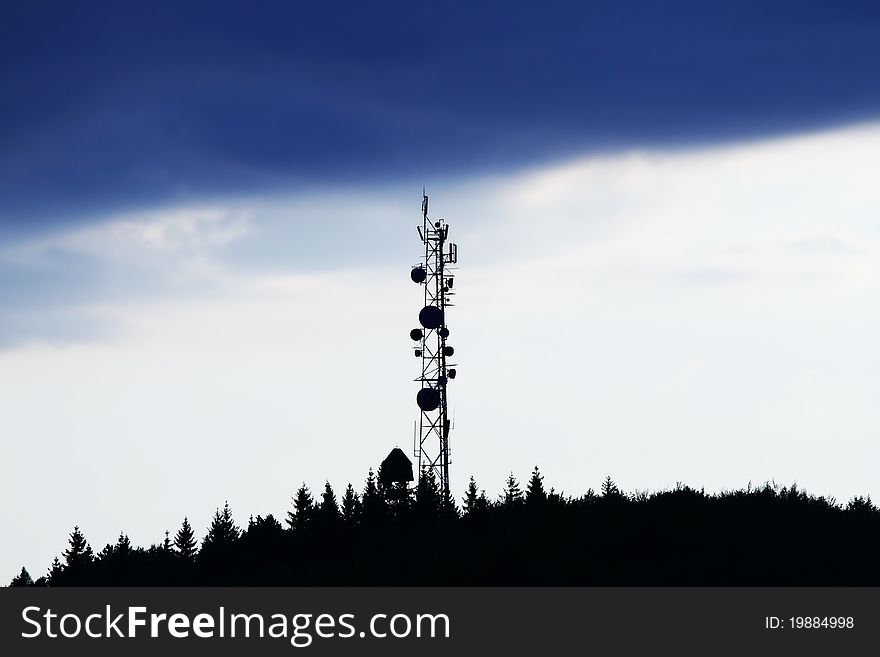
106 108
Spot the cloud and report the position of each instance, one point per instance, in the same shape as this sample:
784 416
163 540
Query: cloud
113 109
780 217
699 315
58 286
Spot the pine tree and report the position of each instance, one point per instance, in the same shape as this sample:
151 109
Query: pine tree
448 509
475 500
370 489
123 545
428 495
185 541
609 488
483 502
470 497
267 526
166 544
535 494
373 503
79 553
512 495
22 579
303 509
859 504
328 510
222 533
351 507
56 572
263 537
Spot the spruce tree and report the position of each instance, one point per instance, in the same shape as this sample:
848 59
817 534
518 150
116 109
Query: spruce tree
512 496
264 528
428 495
123 545
328 511
79 554
609 488
483 502
373 503
470 497
56 572
22 579
351 507
185 541
448 509
535 494
222 533
303 509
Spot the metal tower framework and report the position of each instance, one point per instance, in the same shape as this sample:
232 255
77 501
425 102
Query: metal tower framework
431 442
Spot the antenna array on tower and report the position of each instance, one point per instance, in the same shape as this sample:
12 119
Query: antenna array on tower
432 438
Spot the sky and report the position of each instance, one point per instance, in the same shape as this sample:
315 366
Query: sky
667 228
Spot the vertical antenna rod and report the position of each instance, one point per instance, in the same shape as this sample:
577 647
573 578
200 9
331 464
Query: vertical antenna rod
432 440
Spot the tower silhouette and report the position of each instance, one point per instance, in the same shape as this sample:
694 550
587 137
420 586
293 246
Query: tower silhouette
431 442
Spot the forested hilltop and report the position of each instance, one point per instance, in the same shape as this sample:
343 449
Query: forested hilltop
391 535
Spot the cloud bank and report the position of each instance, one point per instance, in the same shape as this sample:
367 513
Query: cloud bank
704 315
113 108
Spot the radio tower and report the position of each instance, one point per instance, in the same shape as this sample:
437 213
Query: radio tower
431 443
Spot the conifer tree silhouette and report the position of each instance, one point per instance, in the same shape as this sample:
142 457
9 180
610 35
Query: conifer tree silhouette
555 498
469 501
263 527
80 552
185 542
328 510
22 579
610 489
688 532
483 503
218 549
427 496
861 504
351 508
535 494
123 546
303 510
448 510
374 506
56 572
512 495
223 532
77 557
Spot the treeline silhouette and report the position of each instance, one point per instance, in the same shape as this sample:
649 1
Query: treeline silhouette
398 535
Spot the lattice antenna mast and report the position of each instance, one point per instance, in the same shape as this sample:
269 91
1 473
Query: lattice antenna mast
431 442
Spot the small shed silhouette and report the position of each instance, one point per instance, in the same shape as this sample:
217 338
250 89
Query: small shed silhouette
396 468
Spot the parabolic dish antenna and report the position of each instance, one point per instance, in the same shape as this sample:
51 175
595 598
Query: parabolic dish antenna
428 399
431 317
